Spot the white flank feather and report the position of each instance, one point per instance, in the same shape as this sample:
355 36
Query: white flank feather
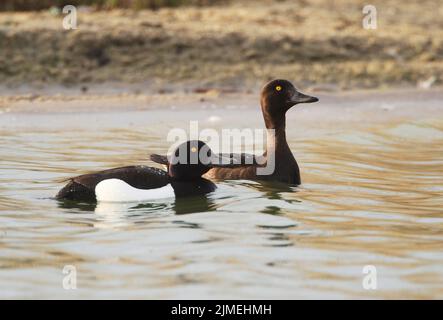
116 190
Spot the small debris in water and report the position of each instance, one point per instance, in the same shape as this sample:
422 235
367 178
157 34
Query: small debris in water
214 119
387 107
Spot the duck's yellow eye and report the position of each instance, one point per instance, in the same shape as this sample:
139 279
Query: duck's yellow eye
193 149
278 88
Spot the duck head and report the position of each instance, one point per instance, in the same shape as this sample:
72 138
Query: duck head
194 158
277 97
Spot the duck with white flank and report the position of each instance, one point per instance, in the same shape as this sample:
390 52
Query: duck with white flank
277 97
189 162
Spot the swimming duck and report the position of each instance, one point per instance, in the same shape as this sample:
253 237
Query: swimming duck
277 97
189 162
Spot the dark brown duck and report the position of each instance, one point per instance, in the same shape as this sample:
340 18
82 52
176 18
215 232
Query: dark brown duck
277 97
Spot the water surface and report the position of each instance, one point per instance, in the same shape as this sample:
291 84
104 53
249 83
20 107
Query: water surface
372 194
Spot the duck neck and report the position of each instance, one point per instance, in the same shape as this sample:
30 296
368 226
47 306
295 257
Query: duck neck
276 138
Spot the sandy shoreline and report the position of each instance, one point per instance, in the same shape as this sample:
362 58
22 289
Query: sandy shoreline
237 46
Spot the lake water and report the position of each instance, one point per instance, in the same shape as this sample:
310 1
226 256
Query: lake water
372 194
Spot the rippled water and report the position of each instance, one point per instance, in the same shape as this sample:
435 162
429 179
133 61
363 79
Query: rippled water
371 195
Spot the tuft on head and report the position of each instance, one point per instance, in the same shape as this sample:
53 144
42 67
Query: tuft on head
190 160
